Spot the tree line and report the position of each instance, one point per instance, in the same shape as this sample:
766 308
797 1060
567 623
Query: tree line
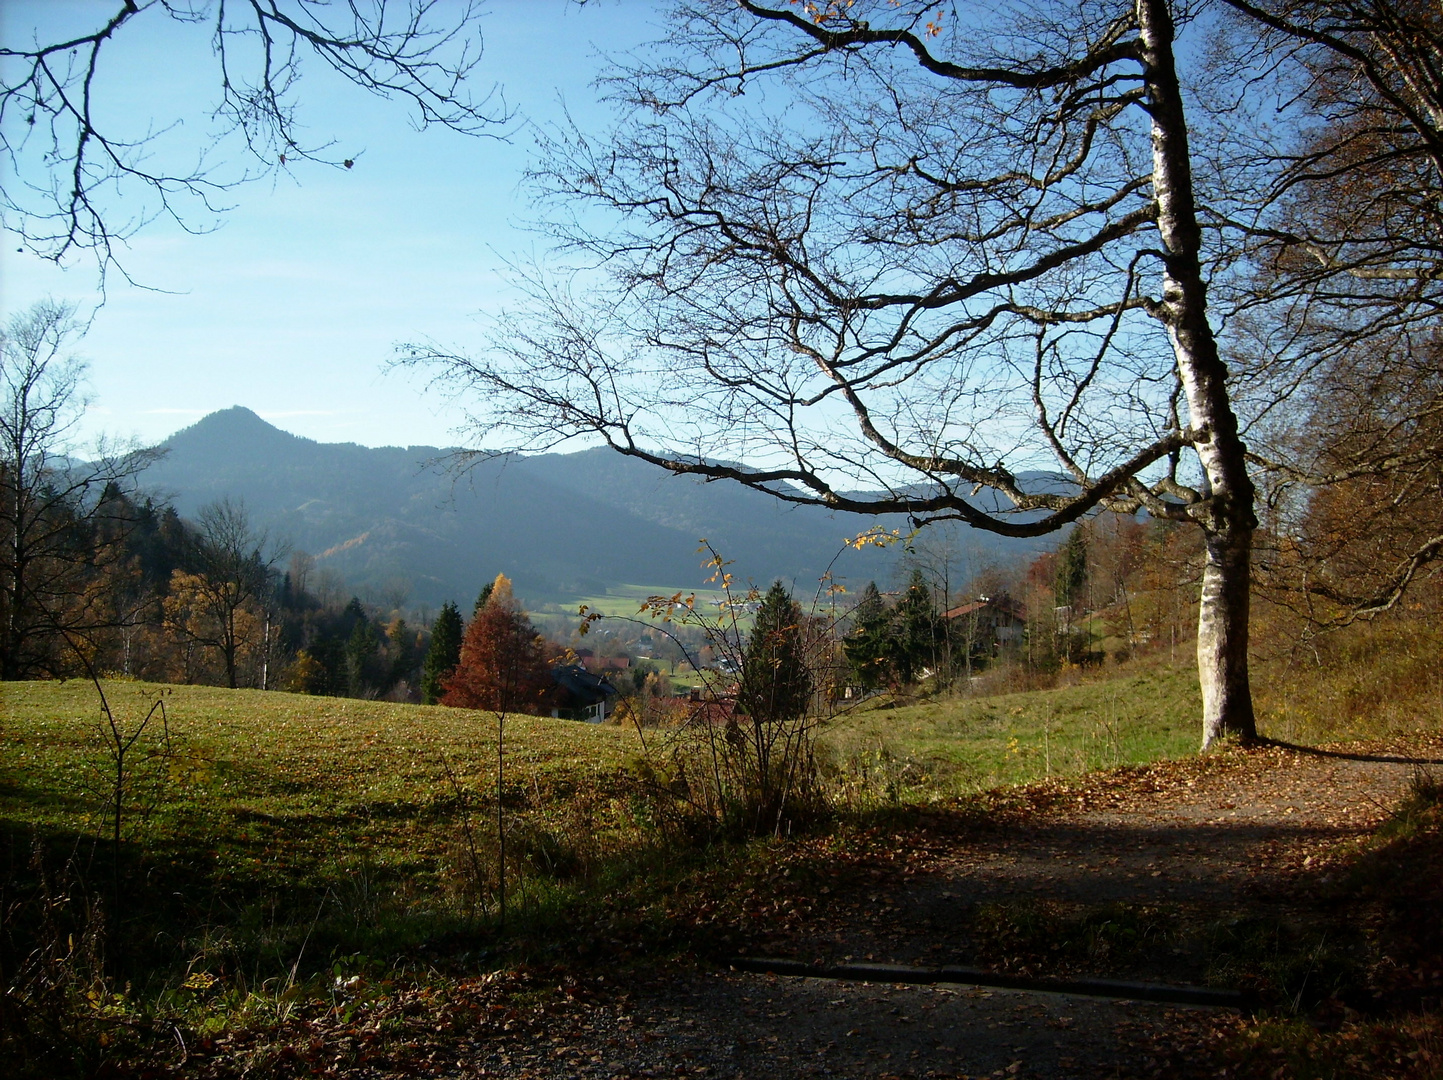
97 578
1116 586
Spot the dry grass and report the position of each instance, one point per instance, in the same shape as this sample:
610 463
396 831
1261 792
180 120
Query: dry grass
1366 681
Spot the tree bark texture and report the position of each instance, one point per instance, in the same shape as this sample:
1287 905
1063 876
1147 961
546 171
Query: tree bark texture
1226 515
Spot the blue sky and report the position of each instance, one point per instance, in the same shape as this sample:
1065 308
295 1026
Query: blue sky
292 306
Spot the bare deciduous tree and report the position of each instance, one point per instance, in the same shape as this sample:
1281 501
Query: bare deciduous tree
51 498
860 256
222 605
1340 319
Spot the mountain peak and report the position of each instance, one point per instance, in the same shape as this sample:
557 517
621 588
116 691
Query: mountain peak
231 424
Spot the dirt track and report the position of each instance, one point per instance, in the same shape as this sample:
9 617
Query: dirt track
1191 842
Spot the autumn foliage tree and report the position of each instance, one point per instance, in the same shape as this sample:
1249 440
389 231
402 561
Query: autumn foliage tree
1343 306
58 520
1357 522
503 659
221 607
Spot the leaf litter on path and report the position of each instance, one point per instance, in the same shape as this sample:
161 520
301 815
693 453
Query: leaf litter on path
1121 874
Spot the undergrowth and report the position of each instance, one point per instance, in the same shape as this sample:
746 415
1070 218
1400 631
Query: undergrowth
1371 680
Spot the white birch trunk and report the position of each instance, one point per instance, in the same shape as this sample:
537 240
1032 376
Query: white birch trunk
1226 516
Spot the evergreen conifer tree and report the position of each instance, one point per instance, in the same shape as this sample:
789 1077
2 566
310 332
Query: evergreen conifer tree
868 646
1071 569
363 674
775 683
444 653
916 630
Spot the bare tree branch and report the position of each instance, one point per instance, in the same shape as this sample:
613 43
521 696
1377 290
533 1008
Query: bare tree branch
78 179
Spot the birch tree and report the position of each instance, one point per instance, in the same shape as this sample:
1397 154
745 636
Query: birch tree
870 257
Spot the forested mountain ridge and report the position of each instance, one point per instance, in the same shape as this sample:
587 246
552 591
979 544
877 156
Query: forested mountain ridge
559 525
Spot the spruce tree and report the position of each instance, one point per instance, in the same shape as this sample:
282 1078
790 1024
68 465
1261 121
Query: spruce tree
775 684
771 762
916 629
363 673
1071 569
444 653
868 646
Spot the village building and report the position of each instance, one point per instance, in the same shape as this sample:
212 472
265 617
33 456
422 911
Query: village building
580 694
596 664
990 621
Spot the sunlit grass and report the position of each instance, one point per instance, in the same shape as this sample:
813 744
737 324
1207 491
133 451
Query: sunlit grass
276 817
959 744
282 753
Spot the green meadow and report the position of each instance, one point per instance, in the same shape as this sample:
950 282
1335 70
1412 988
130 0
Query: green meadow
957 745
275 798
262 830
627 600
271 832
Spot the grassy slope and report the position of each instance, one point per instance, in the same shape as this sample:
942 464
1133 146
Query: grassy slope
291 833
279 753
1372 680
971 744
269 768
272 802
276 798
278 815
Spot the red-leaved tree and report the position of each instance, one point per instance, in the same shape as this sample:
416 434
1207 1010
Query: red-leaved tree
503 661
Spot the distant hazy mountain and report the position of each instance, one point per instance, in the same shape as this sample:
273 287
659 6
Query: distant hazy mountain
559 525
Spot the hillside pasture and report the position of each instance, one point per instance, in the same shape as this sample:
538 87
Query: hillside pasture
959 745
273 828
277 847
273 825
